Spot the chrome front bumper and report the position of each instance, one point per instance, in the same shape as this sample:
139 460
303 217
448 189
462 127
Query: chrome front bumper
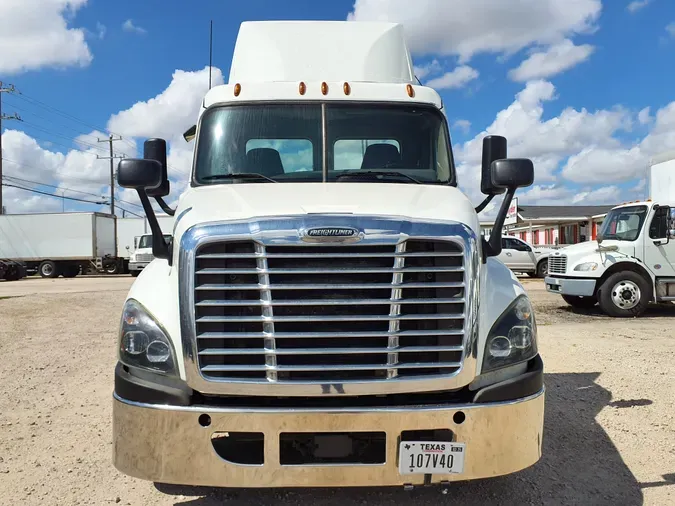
167 444
138 266
570 286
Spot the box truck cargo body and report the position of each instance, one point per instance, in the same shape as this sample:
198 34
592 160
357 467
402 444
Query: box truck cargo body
58 243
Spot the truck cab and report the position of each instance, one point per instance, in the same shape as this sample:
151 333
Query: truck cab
630 265
326 313
142 254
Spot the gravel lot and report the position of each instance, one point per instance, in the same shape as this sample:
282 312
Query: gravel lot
610 410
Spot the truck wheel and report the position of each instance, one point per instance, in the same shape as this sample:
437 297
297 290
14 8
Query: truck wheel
580 302
70 271
48 269
135 274
542 269
113 268
624 294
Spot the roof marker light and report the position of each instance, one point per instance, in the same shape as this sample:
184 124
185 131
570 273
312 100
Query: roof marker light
237 89
324 88
346 88
302 88
411 90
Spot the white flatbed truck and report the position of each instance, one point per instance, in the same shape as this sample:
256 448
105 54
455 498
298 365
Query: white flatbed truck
327 313
632 263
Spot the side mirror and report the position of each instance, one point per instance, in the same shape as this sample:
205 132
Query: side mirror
190 133
139 173
155 149
512 173
494 148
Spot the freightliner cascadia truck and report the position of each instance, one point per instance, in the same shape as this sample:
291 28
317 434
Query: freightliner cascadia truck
325 313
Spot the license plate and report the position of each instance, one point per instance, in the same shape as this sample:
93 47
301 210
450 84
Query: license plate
425 457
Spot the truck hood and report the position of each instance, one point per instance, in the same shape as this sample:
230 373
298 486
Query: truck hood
216 203
588 252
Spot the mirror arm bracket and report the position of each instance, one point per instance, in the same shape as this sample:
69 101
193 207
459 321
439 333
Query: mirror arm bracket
494 244
159 247
485 202
165 207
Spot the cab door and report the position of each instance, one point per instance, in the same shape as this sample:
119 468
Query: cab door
524 255
659 247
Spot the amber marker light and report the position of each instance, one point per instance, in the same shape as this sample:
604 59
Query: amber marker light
302 88
410 90
324 88
346 88
237 89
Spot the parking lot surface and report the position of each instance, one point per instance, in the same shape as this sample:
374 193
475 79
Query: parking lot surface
609 434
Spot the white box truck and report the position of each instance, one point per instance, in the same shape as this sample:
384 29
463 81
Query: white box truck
130 233
327 313
632 263
56 244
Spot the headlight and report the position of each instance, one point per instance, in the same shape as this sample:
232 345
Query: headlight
143 342
513 337
586 266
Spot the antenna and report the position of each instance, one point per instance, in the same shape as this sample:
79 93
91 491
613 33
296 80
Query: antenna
210 52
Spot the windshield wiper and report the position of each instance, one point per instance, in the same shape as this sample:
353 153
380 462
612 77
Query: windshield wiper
377 175
238 175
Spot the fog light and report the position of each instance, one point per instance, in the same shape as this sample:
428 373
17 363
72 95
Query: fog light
158 352
520 337
135 342
500 347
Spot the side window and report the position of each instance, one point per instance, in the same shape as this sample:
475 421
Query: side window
522 246
510 243
659 226
350 154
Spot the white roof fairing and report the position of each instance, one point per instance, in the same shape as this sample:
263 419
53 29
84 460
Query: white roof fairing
269 51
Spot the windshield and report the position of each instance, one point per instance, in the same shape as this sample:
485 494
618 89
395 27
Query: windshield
624 224
285 143
145 241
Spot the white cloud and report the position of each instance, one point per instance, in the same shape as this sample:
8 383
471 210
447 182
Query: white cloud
468 27
554 60
670 29
35 34
599 165
636 5
457 78
462 124
166 115
644 117
100 30
431 68
129 26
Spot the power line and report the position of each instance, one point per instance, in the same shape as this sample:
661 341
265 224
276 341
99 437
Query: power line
50 132
8 89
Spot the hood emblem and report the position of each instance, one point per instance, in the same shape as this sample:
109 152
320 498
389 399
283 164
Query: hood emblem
331 234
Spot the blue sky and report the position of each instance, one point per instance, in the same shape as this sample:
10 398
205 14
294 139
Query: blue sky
586 71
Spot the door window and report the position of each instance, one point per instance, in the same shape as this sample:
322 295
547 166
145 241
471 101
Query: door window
659 226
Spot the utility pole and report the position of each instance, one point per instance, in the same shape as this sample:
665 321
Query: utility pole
3 89
110 140
112 158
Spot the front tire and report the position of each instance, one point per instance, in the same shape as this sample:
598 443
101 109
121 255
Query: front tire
542 269
135 273
580 302
49 269
624 294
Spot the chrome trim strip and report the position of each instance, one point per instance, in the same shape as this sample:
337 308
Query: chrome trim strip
267 313
346 409
284 230
395 310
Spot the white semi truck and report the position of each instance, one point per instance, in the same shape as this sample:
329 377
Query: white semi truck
632 263
327 313
134 249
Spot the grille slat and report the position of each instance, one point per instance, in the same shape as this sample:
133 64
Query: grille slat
321 351
144 257
329 313
557 264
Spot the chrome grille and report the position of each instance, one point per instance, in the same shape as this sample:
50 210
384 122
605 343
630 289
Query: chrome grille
288 313
144 257
557 264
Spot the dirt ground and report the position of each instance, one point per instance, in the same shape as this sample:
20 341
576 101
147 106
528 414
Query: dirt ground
609 433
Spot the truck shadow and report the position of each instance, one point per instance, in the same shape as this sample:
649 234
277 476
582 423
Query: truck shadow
652 311
580 465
